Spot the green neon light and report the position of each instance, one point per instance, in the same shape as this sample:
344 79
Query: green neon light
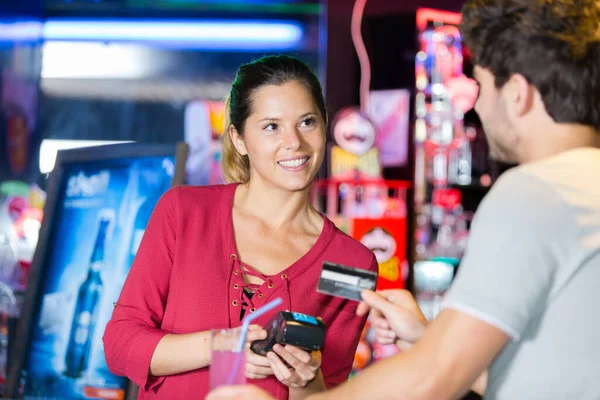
310 8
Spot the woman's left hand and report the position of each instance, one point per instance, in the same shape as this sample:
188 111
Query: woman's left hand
304 365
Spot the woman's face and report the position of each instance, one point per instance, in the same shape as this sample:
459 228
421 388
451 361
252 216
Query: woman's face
284 136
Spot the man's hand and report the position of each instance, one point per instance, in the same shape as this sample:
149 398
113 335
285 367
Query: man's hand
239 392
395 316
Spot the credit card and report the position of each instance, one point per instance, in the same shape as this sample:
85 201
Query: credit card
346 282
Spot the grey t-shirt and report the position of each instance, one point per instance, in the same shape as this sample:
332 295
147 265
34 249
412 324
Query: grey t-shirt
532 269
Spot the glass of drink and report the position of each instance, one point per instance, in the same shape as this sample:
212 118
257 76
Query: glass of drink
228 366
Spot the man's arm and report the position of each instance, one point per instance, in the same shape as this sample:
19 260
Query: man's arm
396 318
454 351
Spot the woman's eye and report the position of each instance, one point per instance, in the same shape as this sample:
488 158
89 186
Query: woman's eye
270 127
309 122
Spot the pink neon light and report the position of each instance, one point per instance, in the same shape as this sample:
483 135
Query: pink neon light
425 15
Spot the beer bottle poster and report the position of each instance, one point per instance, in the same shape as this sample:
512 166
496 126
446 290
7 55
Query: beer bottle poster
101 211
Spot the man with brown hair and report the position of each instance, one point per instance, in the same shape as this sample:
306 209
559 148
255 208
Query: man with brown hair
524 303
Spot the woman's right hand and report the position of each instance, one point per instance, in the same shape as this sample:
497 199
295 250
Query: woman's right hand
257 366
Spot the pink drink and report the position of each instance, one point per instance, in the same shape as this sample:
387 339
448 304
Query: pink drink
222 368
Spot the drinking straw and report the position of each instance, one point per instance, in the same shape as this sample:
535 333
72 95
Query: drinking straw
240 346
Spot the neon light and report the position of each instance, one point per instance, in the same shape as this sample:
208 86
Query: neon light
266 6
20 31
49 149
205 34
90 60
425 15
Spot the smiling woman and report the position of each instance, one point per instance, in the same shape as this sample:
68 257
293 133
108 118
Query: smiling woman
213 254
283 138
276 104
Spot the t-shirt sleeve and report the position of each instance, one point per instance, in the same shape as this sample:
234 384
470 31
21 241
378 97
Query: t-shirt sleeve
132 334
510 262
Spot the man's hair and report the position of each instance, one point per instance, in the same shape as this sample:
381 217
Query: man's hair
554 44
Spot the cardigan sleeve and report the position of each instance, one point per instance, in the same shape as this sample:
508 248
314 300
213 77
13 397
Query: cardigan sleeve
342 341
133 332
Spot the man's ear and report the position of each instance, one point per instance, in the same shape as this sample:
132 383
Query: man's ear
237 140
519 94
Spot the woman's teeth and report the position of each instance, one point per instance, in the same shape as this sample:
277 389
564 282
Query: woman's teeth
293 163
